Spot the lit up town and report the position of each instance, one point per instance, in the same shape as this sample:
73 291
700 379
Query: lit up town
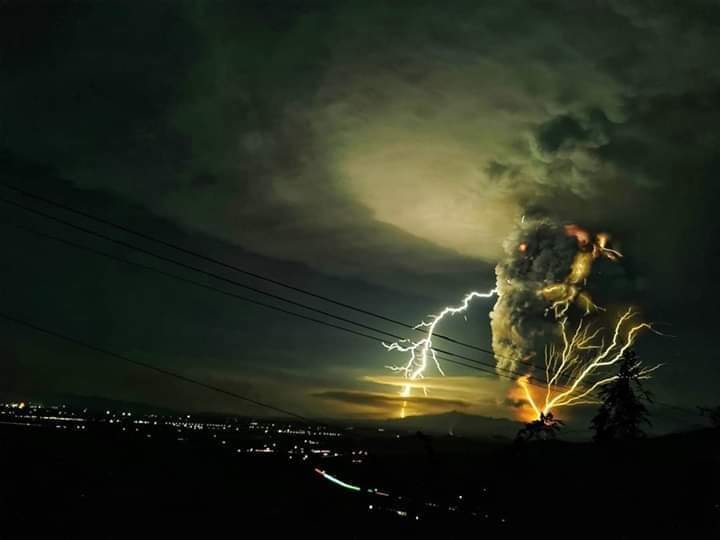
326 454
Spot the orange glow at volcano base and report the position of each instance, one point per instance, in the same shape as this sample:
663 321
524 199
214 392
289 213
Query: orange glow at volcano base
523 409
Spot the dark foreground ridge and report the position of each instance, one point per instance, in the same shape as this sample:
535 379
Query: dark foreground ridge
131 479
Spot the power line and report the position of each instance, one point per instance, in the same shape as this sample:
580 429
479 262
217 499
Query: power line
189 266
145 365
279 309
375 339
233 267
256 275
492 368
163 371
219 277
237 283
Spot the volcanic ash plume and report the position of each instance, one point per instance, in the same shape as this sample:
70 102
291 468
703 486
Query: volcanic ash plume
541 278
543 307
543 274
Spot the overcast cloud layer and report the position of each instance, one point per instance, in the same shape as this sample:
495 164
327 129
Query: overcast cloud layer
395 133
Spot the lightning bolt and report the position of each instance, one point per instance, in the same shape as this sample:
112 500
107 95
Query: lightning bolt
420 352
583 353
570 365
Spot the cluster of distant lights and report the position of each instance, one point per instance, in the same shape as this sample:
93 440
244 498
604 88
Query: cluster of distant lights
310 446
15 405
31 412
126 421
290 430
187 423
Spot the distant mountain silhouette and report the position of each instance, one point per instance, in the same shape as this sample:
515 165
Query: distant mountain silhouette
456 423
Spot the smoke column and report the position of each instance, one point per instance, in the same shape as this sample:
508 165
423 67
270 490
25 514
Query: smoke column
539 254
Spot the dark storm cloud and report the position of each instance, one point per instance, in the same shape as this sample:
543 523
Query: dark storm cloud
391 149
558 132
567 132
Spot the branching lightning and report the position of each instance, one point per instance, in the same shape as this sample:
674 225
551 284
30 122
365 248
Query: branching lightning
544 272
583 352
421 351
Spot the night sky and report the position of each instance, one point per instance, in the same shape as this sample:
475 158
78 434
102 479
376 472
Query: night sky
375 152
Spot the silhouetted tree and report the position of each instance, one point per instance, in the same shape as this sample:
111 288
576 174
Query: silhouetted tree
622 412
544 428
